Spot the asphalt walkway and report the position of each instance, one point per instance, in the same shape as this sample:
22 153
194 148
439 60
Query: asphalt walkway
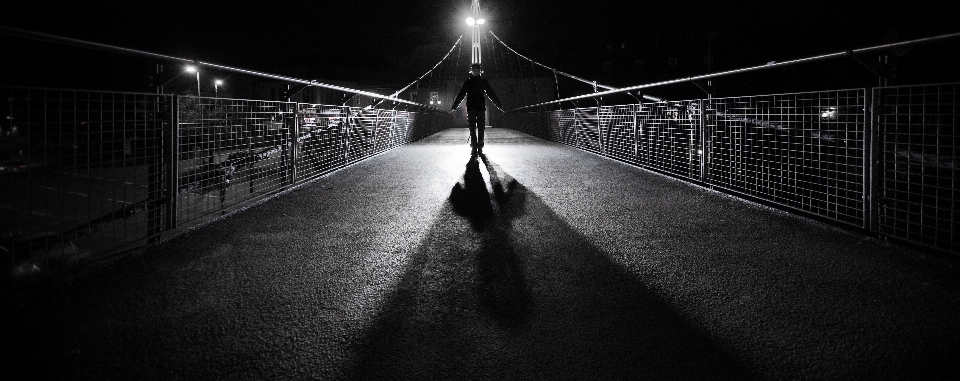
532 261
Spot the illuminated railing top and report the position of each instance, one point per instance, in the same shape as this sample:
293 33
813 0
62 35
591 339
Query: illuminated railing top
768 65
72 41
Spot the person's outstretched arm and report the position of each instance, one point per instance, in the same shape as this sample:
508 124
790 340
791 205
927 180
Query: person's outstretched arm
493 95
460 95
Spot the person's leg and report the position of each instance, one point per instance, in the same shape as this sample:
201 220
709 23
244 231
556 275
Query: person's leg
481 124
472 124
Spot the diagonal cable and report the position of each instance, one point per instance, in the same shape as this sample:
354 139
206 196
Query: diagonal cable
455 44
431 69
593 83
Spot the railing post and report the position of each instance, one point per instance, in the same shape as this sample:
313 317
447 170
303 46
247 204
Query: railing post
636 139
294 134
345 137
376 129
871 160
155 149
704 103
173 182
599 121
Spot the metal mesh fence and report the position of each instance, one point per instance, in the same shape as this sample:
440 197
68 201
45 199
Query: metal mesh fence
577 127
361 133
321 140
668 136
919 164
81 173
230 151
804 151
809 152
84 173
618 133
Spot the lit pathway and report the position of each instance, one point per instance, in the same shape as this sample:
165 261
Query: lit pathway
405 266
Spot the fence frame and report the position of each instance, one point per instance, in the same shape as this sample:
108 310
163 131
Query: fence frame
159 169
871 176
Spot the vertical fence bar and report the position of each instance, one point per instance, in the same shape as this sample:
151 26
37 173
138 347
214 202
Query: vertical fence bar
294 141
376 129
703 152
636 138
345 136
871 150
172 119
155 176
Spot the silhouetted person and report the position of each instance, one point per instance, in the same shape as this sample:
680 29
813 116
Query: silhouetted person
475 88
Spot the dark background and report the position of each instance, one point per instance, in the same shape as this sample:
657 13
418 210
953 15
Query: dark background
371 41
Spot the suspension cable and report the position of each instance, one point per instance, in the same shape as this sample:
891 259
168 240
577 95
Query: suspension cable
455 44
536 93
16 32
768 65
591 83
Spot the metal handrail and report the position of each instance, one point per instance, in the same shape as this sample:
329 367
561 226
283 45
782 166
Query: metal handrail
768 65
23 33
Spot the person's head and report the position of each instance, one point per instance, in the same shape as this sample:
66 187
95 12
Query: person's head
475 69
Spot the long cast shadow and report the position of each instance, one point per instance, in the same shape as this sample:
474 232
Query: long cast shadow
502 287
500 283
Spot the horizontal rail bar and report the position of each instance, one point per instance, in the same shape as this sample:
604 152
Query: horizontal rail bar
22 33
748 69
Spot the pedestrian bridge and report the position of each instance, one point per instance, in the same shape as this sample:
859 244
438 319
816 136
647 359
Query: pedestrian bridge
533 260
772 236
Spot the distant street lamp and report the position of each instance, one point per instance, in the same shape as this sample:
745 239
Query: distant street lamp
216 84
193 69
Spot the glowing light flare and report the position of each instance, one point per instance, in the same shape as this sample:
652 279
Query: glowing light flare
829 113
190 69
472 22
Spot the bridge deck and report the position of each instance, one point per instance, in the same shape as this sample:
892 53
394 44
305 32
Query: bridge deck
534 261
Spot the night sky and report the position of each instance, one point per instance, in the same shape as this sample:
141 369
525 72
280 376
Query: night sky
312 39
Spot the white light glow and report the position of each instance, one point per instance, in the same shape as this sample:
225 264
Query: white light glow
830 113
190 69
471 21
218 82
481 21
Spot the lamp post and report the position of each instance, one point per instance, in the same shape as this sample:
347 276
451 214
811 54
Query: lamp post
474 21
192 69
216 84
